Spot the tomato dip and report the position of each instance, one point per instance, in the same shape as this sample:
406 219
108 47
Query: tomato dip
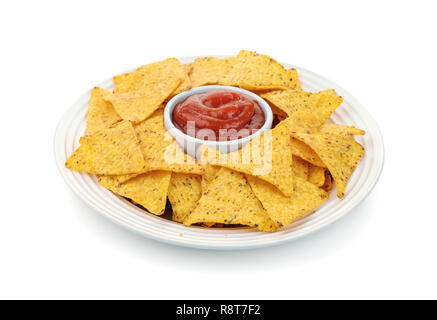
219 115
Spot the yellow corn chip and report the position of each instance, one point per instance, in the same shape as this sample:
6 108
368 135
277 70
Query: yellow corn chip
316 175
160 150
253 71
229 199
112 151
137 76
249 70
139 93
101 114
183 193
157 76
267 156
340 154
154 123
310 110
124 76
148 189
341 130
284 210
289 101
307 116
209 70
300 168
310 119
137 105
300 149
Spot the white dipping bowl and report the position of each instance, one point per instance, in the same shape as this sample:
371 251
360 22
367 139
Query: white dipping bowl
192 145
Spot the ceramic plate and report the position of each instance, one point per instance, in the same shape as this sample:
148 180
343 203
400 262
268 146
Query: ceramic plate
351 112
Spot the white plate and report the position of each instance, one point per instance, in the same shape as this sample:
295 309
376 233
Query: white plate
351 112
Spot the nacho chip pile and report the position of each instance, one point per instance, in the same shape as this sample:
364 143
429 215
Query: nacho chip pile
277 178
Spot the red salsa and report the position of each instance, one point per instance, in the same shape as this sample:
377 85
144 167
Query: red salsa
218 115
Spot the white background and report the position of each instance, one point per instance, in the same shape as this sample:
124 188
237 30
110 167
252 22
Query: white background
53 246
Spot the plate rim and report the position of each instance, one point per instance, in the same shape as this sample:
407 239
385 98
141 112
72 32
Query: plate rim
362 110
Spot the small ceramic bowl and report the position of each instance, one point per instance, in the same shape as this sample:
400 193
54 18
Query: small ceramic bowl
192 145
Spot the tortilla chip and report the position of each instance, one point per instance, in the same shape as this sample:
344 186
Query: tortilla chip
340 154
160 150
311 119
139 93
249 70
101 114
341 130
112 151
183 193
158 67
310 110
185 84
152 134
285 210
209 70
316 175
301 150
148 189
289 101
136 106
157 76
300 168
267 156
228 199
254 71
